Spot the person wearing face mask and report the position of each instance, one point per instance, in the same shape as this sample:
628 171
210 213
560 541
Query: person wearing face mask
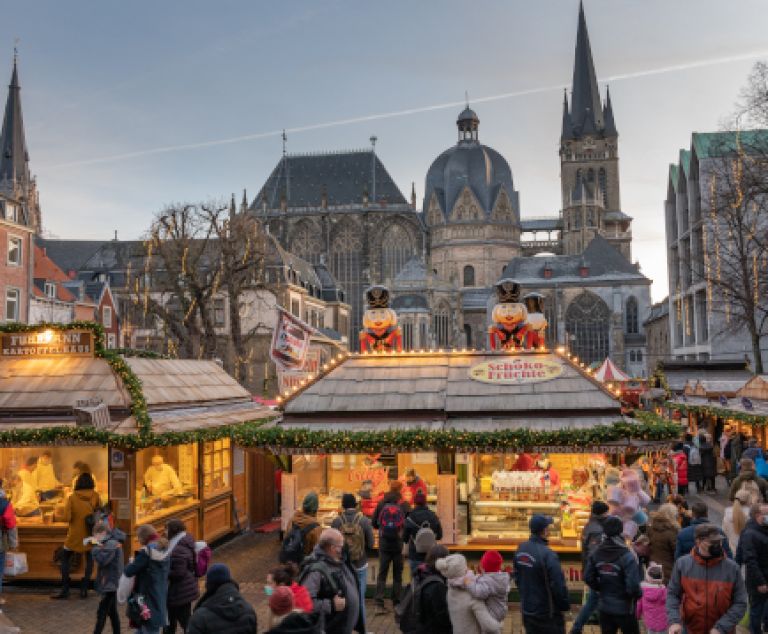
753 553
286 575
706 594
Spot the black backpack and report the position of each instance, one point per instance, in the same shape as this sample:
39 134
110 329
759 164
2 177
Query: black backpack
408 611
292 548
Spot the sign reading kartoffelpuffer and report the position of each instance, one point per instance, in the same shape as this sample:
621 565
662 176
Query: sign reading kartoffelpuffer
47 343
516 370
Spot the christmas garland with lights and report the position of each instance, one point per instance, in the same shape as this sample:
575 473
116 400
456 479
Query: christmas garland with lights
718 412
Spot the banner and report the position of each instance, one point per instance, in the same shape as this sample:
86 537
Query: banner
290 341
288 379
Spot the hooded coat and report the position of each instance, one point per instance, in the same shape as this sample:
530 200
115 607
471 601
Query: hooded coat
301 520
613 571
81 503
182 578
150 566
708 461
493 589
223 611
663 537
322 576
651 607
109 559
468 615
742 478
434 616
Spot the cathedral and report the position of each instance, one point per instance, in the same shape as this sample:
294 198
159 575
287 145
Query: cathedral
442 259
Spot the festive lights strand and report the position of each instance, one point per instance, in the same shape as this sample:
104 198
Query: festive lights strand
719 412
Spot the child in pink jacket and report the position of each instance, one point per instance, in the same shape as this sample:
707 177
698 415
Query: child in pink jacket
652 606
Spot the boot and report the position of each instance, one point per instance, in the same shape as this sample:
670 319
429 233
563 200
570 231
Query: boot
61 594
84 589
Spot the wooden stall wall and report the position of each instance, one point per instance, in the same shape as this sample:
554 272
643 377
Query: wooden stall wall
261 491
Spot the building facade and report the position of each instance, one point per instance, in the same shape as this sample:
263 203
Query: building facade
657 334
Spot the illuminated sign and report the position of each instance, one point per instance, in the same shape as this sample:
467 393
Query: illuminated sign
47 343
516 370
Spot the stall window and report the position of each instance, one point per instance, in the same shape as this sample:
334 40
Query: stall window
166 481
216 467
38 480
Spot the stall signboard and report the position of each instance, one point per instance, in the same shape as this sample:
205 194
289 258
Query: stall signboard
288 379
516 370
47 343
290 341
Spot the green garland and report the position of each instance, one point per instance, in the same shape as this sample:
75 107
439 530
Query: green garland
139 354
719 412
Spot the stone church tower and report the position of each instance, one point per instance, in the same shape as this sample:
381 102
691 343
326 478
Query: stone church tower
589 160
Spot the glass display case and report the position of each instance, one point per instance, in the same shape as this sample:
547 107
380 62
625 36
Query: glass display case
166 481
38 480
217 469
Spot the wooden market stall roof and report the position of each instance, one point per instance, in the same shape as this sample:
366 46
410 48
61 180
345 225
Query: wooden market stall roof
453 390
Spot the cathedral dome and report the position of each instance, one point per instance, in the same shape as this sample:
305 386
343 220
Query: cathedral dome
470 164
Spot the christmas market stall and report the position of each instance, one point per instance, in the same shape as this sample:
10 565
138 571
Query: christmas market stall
156 434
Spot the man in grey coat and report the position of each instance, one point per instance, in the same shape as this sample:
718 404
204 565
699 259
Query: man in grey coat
332 584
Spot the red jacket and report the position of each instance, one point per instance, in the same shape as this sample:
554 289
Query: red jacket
301 598
681 462
9 517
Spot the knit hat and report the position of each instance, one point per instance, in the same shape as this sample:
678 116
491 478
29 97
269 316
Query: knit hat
599 507
613 526
538 523
420 499
452 566
311 503
348 501
491 561
217 575
281 601
655 573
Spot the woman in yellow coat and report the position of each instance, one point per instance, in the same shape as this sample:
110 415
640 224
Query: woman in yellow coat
83 502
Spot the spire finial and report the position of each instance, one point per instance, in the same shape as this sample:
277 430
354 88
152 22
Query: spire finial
285 142
16 41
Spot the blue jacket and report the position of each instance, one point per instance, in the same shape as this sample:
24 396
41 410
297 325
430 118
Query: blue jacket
150 566
613 571
685 539
109 558
535 564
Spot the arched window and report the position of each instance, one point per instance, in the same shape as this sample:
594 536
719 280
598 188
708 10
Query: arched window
603 180
396 249
468 335
578 179
441 324
407 335
305 242
346 247
587 325
631 316
469 275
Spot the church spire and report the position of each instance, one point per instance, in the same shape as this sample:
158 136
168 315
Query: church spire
608 122
567 132
585 98
14 169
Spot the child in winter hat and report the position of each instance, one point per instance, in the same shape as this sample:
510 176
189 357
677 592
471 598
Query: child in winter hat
465 611
492 586
652 605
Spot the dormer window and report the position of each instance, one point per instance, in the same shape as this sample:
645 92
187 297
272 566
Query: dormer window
11 212
50 290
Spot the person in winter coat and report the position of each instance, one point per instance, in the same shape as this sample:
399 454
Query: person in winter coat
361 530
753 553
749 479
468 615
492 586
332 584
390 549
695 473
662 533
613 572
83 502
286 575
10 535
651 608
706 592
222 609
420 516
306 517
150 566
284 618
433 615
183 588
708 462
735 518
540 579
685 538
591 538
108 555
681 467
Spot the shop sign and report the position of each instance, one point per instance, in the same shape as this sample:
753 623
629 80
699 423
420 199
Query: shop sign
288 379
516 370
48 343
290 341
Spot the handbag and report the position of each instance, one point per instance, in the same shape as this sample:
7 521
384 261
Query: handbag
137 611
15 564
125 588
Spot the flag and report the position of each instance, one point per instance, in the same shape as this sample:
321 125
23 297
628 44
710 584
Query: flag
290 341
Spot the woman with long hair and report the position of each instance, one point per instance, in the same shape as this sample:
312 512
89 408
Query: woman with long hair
662 533
735 518
150 566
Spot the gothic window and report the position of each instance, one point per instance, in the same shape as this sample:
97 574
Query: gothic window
469 275
631 316
441 324
396 249
407 335
578 179
587 325
468 334
346 249
305 242
603 181
591 176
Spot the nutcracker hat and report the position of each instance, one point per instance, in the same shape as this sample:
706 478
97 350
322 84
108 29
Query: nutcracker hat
534 302
377 297
508 291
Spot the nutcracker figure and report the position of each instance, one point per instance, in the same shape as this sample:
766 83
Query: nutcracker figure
380 331
535 336
508 329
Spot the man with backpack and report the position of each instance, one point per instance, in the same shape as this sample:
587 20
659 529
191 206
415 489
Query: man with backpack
591 538
358 540
389 519
750 481
302 533
422 531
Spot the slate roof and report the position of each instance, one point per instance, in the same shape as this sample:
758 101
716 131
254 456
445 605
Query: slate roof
344 175
475 298
413 271
70 255
605 263
554 223
678 373
658 311
331 291
410 302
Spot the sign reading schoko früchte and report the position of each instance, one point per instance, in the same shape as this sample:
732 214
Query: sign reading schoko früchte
516 370
47 343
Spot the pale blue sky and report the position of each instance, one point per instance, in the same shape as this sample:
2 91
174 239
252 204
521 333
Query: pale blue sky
105 80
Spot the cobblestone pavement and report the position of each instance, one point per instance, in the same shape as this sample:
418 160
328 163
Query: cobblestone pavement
249 557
